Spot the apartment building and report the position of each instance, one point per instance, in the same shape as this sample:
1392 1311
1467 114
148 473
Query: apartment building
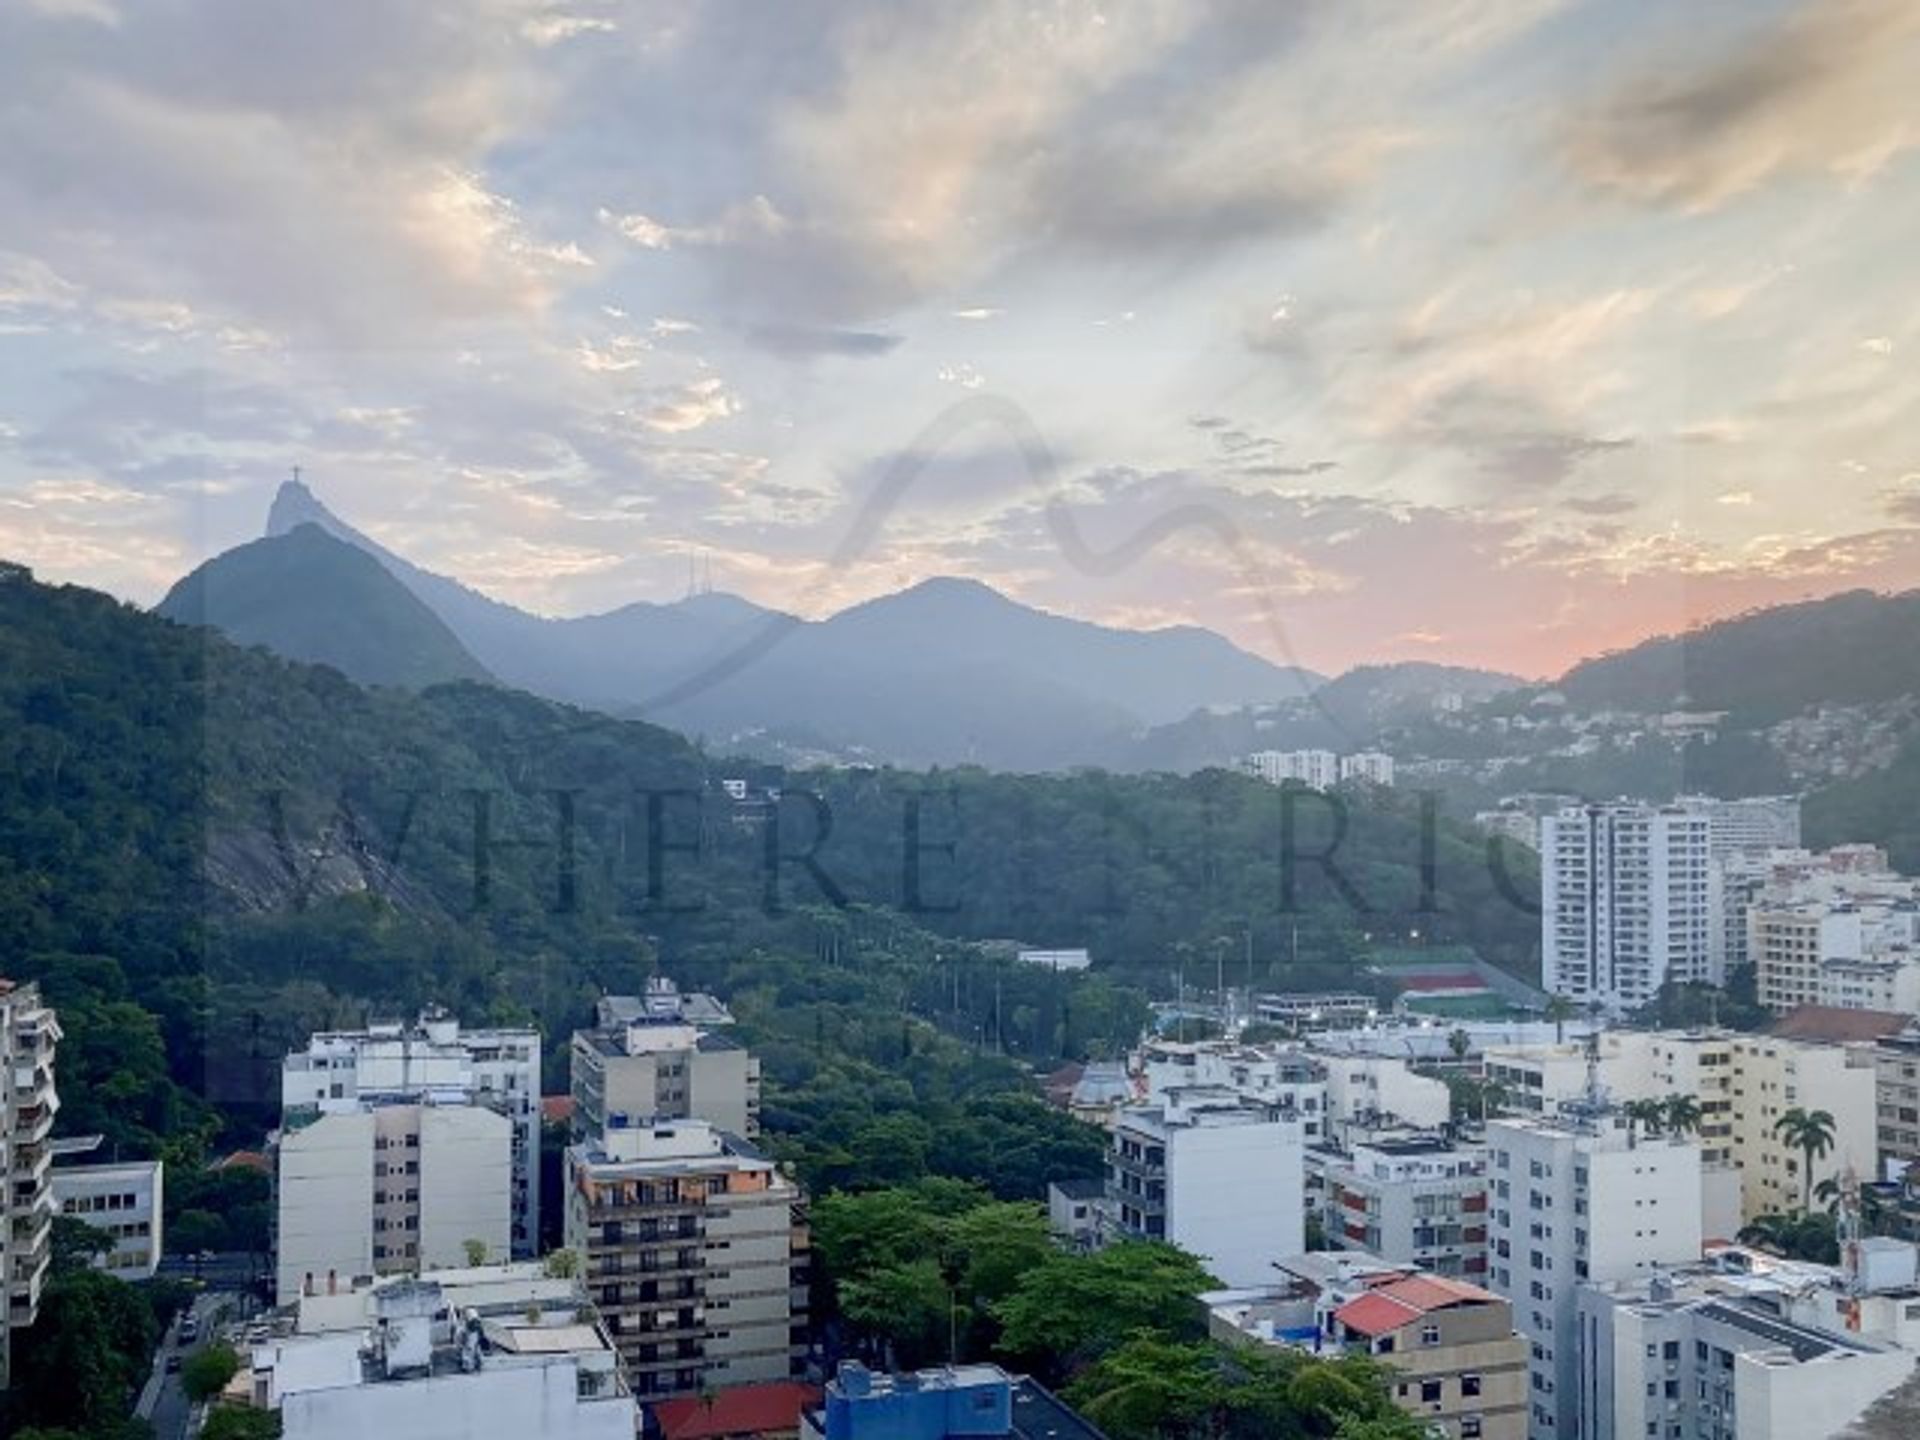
29 1038
1744 1084
1453 1358
696 1253
1214 1173
1896 1061
1626 902
495 1353
432 1061
1757 823
1370 767
389 1188
648 1058
1284 1077
1664 1355
1316 769
952 1402
1368 1093
1580 1198
123 1201
1417 1200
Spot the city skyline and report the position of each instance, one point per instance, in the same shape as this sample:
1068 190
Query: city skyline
1497 334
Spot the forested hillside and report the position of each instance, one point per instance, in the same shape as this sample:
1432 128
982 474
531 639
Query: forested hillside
206 852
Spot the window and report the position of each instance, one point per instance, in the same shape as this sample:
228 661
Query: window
1469 1386
1430 1392
1470 1427
1430 1335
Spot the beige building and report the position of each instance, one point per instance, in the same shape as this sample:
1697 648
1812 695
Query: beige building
389 1189
29 1035
650 1058
696 1252
1744 1084
1458 1365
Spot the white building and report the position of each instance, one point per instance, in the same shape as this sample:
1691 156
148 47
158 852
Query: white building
1056 959
29 1036
1316 769
390 1188
1282 1077
436 1061
1626 902
476 1356
1580 1199
1214 1174
1758 823
1669 1355
650 1059
1371 767
1417 1199
1371 1092
125 1201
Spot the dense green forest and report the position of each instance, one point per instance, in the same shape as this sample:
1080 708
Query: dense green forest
1883 807
206 852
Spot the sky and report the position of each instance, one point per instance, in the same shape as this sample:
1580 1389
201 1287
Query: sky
1494 332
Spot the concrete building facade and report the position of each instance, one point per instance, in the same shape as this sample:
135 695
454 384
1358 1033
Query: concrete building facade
29 1038
432 1061
1416 1200
390 1189
1214 1174
124 1201
1580 1198
1454 1361
696 1254
1626 902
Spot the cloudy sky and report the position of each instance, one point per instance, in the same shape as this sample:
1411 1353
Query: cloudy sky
1493 331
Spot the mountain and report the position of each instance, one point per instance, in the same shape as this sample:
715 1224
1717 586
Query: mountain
1855 648
1359 709
949 671
309 596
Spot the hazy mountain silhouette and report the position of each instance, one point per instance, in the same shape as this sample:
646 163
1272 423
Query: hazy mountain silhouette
309 596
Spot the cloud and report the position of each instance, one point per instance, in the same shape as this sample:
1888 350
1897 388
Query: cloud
1902 501
807 340
688 407
1825 90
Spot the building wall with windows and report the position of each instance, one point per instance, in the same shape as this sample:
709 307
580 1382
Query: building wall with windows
1416 1200
1580 1199
29 1038
126 1201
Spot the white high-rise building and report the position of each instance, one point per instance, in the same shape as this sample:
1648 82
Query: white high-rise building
1580 1198
433 1061
1214 1174
29 1035
1626 902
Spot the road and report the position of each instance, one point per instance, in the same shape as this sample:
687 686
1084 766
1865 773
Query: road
162 1401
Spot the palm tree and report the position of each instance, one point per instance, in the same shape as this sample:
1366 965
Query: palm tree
1681 1114
1827 1192
1649 1113
1810 1132
1459 1042
1559 1010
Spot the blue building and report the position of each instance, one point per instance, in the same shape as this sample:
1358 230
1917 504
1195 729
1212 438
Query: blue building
955 1402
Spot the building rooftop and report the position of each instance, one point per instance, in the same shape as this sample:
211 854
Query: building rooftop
1400 1302
1830 1023
773 1408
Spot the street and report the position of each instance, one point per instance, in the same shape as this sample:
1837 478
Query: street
162 1400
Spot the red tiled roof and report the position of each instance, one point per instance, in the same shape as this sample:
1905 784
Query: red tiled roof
1375 1313
742 1410
556 1109
1829 1022
1428 983
1405 1300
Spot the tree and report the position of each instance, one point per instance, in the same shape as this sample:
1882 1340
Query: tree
1560 1009
205 1373
909 1306
1459 1043
1811 1132
1680 1114
196 1230
1075 1307
76 1244
241 1422
1647 1114
563 1264
79 1364
475 1251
